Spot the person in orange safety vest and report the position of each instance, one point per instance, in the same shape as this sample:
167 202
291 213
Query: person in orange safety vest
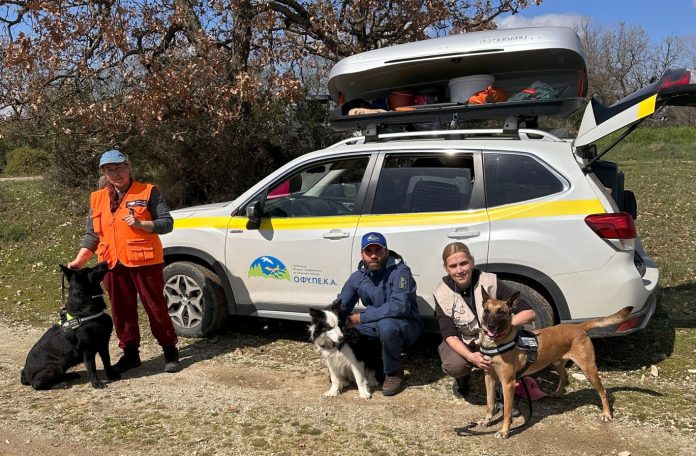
125 220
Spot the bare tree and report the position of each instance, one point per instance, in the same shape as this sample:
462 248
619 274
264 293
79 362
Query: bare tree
180 78
624 60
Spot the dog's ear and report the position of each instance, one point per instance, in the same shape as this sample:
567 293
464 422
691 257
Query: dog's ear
512 300
316 314
335 306
485 294
67 271
101 269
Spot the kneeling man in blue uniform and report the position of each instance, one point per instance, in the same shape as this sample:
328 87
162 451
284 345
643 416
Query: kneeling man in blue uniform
387 289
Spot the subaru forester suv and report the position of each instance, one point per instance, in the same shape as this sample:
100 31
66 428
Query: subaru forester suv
542 211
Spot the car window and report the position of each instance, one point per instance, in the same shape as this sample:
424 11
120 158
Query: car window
424 183
322 189
511 178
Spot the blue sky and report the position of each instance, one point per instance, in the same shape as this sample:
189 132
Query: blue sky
659 18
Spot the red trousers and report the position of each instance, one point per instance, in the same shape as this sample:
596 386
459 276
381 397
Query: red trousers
124 284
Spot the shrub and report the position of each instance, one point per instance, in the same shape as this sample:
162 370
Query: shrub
26 161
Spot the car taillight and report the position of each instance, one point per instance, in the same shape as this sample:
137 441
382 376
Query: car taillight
679 77
618 228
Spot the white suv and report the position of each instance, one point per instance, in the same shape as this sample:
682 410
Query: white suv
541 211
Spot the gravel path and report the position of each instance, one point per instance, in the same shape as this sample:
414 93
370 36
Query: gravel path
259 394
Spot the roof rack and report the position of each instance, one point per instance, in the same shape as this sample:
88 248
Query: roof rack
522 133
449 115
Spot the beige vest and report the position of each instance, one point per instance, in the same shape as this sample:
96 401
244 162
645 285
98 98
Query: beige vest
453 305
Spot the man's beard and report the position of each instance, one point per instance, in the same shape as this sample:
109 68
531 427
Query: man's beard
374 267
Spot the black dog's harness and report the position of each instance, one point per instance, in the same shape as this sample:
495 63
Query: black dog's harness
68 321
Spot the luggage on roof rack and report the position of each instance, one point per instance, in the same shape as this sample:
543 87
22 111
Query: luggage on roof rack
534 72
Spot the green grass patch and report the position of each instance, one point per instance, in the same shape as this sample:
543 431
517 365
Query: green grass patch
663 144
42 227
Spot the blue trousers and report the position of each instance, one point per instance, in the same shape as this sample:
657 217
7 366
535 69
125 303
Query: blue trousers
395 334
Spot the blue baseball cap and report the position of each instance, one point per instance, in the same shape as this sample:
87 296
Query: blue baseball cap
112 156
373 238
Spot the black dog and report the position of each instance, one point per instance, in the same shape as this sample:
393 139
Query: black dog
84 331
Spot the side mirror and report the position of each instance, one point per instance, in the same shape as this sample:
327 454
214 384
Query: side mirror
253 213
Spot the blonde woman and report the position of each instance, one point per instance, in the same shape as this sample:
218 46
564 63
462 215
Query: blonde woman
459 310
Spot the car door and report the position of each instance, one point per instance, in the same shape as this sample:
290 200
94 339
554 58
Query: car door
299 255
422 201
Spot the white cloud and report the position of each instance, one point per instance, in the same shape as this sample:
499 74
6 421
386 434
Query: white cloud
560 20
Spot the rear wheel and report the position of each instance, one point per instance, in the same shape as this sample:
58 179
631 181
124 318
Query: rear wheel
542 308
195 299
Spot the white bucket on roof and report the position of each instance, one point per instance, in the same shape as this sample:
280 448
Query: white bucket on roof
460 89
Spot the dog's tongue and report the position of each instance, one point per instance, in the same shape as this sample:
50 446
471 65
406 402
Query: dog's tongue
489 333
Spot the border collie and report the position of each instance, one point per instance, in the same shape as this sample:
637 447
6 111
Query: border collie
349 356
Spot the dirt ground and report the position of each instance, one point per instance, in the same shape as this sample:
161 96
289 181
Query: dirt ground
248 393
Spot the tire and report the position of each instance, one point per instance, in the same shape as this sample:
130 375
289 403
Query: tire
195 299
544 311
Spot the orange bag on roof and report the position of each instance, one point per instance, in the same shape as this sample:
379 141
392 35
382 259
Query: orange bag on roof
488 95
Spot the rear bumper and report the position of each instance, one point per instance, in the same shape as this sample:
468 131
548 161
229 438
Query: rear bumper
635 322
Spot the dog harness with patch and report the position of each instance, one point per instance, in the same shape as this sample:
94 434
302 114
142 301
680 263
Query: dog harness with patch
68 321
524 340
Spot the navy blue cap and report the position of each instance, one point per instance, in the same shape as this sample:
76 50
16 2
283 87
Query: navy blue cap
112 156
373 238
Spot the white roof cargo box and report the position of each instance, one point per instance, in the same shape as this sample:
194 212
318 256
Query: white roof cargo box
426 70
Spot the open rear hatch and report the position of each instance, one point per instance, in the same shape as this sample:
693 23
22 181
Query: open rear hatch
532 71
676 87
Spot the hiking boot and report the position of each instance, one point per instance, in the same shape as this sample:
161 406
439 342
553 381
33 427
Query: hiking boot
460 387
394 383
129 360
171 359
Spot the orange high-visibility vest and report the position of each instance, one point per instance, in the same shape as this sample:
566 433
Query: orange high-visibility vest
117 240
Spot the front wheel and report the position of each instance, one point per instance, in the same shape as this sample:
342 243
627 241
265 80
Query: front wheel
542 308
195 299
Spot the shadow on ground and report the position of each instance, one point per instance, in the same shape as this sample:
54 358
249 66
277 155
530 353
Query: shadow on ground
649 346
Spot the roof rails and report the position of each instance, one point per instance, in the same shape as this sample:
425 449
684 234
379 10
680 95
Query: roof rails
522 133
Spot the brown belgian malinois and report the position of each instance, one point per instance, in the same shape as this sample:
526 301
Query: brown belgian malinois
556 345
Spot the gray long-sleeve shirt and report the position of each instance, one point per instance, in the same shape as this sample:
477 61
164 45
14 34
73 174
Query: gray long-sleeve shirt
156 206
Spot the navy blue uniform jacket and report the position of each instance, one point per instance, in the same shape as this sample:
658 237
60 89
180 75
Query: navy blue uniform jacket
387 293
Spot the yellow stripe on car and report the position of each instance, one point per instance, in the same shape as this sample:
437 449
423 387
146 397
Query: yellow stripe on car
546 209
514 211
202 222
647 106
423 219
